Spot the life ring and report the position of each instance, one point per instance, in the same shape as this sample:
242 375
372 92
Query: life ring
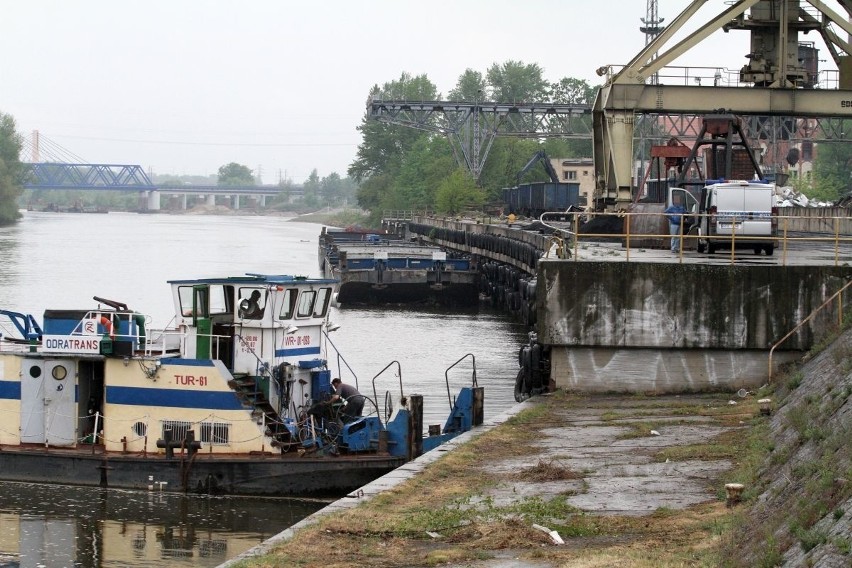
107 325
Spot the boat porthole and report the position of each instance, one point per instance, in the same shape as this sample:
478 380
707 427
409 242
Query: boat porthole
140 428
59 372
35 372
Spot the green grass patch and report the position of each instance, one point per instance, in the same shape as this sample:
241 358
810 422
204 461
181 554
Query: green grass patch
705 452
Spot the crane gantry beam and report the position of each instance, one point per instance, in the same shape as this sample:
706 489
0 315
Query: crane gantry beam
471 127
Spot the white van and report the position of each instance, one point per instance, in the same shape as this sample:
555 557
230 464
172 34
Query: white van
738 212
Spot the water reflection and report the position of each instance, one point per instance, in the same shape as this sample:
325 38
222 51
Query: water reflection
52 526
9 238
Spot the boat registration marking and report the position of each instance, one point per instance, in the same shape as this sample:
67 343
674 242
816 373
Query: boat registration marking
200 381
248 343
301 340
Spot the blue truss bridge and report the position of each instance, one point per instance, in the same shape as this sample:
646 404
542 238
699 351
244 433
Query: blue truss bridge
78 175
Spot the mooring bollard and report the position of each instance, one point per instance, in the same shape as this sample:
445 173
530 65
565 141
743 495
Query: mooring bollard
765 406
734 492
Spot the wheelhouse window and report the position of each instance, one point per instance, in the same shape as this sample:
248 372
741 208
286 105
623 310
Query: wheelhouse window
288 305
306 304
185 298
215 300
218 300
321 305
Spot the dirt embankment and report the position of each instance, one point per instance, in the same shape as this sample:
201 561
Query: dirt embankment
801 513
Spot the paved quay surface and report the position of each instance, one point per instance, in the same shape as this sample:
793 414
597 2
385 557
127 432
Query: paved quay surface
380 485
615 447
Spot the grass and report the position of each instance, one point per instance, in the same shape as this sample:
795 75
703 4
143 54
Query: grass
452 498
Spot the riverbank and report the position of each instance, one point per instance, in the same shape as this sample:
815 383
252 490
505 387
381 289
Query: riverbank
630 480
635 481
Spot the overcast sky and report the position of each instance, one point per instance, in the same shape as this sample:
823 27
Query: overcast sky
185 86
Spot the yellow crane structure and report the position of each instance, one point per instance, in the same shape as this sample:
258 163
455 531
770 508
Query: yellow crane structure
780 79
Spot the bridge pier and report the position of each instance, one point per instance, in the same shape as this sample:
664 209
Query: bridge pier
183 199
211 200
235 202
153 200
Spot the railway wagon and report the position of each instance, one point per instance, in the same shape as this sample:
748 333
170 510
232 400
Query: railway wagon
533 199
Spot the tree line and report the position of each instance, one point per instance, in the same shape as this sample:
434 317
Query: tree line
403 168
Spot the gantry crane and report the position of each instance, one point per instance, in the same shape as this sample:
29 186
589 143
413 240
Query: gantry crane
780 73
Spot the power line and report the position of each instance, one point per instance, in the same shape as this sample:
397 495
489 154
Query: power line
186 143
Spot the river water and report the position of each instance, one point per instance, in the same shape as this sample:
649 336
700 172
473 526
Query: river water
62 260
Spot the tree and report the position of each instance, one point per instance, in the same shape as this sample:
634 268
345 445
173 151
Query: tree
429 162
234 174
11 170
471 87
517 82
384 146
507 157
312 190
832 168
457 193
570 91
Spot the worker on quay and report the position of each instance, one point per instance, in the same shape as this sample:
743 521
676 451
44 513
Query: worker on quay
353 401
675 212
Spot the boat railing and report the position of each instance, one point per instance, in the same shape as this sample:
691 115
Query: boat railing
375 394
134 330
164 341
473 376
325 329
149 342
637 231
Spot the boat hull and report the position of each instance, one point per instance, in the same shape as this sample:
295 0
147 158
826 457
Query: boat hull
362 289
271 475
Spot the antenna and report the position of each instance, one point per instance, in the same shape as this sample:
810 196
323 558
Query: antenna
652 28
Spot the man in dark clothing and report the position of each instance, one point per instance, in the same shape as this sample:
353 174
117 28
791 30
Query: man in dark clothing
250 308
350 395
675 213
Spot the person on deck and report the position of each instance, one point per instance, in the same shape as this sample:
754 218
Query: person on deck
354 400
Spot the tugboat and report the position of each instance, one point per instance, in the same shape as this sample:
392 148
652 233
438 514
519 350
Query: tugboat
234 397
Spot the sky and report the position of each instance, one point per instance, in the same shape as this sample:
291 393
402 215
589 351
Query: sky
182 87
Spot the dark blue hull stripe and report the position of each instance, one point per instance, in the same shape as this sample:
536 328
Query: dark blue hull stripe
188 362
173 398
10 389
295 352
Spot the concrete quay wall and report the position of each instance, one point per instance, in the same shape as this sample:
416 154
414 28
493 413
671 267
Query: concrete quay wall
664 324
818 220
652 327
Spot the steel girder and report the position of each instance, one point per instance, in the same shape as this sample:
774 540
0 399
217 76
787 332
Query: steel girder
86 176
471 127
